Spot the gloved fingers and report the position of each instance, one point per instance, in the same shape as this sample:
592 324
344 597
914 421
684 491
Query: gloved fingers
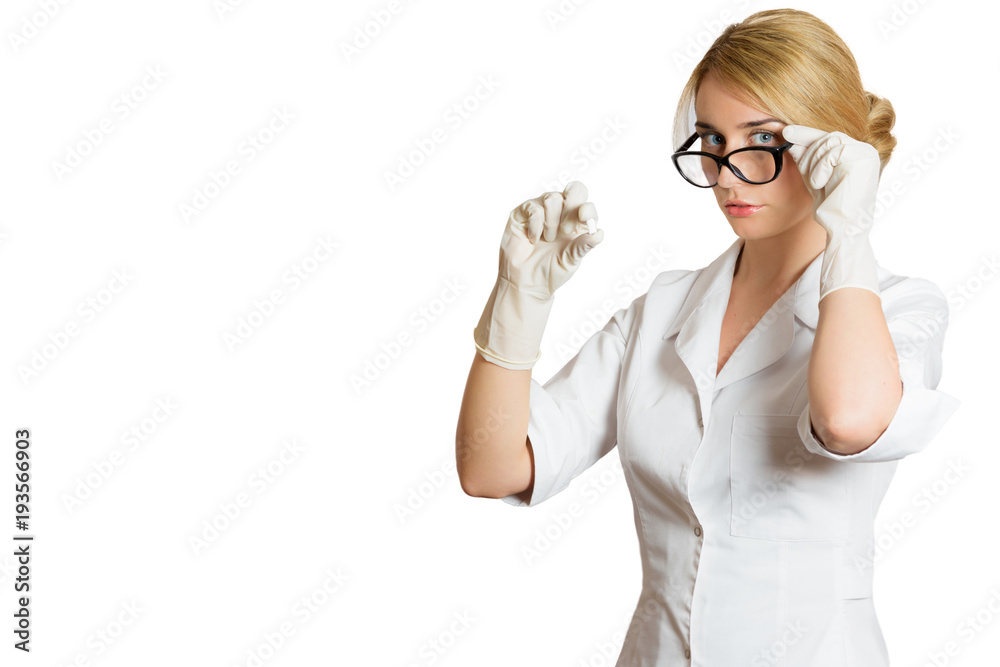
515 244
817 160
796 152
580 246
804 137
821 159
553 205
808 141
574 194
847 157
535 215
517 221
859 151
585 212
800 135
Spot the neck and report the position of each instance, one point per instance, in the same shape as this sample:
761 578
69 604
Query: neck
774 263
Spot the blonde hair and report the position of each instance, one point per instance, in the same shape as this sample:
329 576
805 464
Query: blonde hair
794 66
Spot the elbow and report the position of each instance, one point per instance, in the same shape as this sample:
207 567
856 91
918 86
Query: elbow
857 424
465 479
851 433
464 467
480 482
492 471
471 482
475 490
470 486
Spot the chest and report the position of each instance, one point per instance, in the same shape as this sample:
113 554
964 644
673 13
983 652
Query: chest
670 405
742 313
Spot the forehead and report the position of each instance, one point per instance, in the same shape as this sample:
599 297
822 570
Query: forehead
718 104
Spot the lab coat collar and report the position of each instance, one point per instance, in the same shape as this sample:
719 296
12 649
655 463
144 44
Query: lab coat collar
698 324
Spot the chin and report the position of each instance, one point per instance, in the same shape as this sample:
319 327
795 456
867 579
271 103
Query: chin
748 230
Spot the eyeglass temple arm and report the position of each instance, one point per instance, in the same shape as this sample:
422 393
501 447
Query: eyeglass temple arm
687 144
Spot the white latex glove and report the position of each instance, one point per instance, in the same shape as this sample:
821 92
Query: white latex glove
843 174
541 248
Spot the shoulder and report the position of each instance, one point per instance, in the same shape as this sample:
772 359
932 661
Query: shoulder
916 312
667 289
660 303
907 297
675 278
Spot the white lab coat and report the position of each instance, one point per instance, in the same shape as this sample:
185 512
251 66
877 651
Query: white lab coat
754 538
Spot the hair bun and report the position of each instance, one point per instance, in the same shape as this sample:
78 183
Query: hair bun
881 118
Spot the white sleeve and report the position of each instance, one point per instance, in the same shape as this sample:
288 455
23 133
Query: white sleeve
916 312
573 418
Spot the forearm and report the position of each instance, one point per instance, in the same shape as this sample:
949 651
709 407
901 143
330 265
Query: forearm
491 452
854 384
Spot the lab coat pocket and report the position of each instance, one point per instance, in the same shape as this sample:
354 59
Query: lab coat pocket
779 489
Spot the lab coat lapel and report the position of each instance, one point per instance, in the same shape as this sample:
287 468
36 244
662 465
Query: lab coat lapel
698 326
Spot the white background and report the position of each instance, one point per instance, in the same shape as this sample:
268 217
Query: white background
429 243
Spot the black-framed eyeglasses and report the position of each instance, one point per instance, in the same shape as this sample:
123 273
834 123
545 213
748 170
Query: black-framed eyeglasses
755 164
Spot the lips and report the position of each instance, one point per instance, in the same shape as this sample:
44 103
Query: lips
740 209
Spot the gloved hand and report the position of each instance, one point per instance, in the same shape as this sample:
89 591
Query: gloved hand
843 174
545 239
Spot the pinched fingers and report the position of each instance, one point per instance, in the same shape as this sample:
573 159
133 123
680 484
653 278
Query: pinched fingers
587 212
525 220
552 202
575 194
552 213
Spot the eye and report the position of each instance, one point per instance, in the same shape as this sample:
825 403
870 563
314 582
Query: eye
765 136
707 138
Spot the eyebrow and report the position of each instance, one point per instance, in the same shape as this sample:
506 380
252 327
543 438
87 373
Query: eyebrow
749 123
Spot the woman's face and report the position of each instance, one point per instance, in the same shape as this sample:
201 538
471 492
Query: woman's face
785 201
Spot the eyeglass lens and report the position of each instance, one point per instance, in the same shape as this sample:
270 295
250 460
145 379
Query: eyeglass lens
756 166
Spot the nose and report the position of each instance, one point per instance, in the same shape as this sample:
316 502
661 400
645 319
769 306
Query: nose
727 178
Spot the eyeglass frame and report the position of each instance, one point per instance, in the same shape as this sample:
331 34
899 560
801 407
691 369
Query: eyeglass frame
775 151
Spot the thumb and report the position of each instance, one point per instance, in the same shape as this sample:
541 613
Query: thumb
802 135
796 152
581 245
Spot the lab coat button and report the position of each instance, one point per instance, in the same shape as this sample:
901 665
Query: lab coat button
701 422
697 531
687 653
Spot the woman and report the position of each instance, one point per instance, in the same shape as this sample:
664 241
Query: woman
760 404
